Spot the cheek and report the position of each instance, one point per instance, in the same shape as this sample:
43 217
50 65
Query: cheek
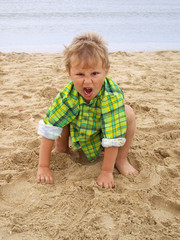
100 84
77 84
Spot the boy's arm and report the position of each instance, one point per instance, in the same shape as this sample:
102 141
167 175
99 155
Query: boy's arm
105 178
44 174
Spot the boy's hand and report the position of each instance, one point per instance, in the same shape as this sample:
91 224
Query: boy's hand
105 180
44 175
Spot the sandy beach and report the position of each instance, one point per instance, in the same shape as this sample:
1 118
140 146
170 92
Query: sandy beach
145 207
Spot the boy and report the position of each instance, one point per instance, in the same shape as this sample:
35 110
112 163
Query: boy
90 109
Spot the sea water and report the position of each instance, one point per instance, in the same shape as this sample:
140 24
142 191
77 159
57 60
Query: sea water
128 25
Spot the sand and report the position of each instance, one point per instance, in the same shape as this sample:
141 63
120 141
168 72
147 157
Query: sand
145 207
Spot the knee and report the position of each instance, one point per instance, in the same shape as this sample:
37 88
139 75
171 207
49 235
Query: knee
130 115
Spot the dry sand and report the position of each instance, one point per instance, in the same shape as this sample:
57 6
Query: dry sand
146 207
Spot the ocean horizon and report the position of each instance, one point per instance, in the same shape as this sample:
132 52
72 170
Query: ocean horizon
132 25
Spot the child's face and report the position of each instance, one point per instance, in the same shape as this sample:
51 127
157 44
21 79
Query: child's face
88 81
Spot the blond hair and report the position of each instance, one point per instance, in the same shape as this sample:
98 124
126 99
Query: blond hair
86 48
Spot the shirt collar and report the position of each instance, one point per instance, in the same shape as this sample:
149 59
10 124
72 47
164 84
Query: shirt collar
94 100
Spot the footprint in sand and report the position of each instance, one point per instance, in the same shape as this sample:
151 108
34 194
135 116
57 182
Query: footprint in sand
18 189
164 209
161 153
106 223
6 177
171 171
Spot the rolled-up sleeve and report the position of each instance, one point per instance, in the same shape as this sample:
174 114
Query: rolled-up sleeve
48 131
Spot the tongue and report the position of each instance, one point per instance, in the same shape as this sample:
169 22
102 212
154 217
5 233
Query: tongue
88 90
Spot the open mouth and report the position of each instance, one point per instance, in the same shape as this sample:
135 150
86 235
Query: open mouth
87 92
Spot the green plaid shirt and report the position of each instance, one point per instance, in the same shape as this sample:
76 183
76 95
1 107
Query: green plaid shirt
103 117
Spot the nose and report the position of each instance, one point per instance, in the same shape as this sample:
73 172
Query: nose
87 80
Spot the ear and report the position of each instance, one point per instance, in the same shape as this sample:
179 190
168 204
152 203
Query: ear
107 70
68 71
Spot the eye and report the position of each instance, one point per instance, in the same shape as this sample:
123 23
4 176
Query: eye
80 74
95 73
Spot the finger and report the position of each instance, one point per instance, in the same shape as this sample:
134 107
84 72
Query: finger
43 180
51 180
99 184
106 185
112 184
39 179
47 180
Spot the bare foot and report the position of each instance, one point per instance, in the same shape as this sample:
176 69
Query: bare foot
125 168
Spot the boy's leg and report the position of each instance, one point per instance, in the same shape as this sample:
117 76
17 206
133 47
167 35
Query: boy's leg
122 163
62 143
